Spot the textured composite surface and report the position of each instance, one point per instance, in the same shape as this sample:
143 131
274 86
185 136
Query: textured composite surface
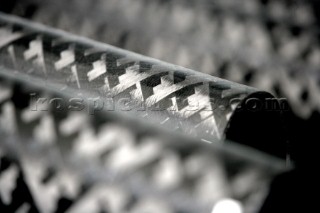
94 160
272 45
170 95
269 44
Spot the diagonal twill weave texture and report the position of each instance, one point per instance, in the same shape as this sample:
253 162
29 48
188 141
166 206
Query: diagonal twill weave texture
172 93
269 44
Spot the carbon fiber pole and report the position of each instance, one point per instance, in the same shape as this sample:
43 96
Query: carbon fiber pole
271 45
175 97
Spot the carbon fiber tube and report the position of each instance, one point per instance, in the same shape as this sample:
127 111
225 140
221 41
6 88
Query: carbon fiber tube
271 45
184 100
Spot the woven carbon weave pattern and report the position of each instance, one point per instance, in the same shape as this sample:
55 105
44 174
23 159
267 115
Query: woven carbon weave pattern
170 94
